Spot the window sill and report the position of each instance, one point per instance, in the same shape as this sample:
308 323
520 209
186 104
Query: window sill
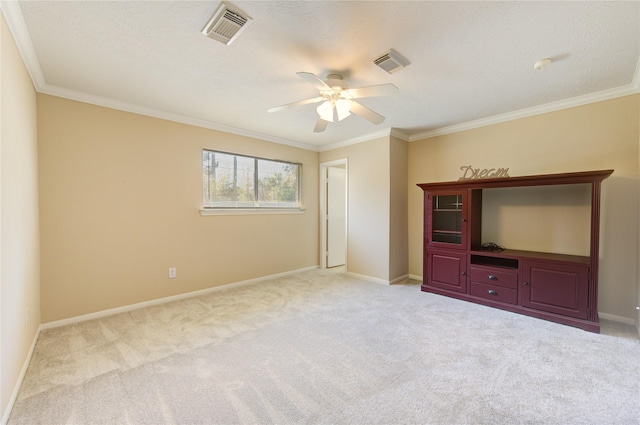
249 211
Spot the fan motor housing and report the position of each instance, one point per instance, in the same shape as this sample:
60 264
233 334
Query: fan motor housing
336 80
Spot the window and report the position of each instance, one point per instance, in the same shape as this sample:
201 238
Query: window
239 181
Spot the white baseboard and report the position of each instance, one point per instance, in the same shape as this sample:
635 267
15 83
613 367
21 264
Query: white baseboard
399 279
131 307
415 277
369 278
16 388
619 319
385 282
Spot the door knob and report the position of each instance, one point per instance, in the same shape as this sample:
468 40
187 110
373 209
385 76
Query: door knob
525 283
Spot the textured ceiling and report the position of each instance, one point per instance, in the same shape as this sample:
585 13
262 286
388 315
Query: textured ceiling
469 60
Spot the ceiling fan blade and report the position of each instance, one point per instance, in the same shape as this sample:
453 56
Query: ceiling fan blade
321 125
372 91
299 103
313 79
366 113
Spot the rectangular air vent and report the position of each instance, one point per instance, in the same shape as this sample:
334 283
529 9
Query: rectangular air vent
226 24
391 61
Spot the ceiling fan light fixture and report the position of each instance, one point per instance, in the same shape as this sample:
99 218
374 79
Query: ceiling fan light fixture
336 101
342 108
325 110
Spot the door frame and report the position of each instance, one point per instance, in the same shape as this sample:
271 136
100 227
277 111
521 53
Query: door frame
323 209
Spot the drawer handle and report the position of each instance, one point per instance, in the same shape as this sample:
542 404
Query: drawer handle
492 277
492 292
525 283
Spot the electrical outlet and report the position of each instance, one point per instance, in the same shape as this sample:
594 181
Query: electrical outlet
172 273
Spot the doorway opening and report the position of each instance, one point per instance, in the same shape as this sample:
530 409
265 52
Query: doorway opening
334 208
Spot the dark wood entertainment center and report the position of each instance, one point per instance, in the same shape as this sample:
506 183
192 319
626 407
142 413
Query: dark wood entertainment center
551 286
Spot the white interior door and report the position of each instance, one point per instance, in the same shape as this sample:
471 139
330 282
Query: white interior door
336 219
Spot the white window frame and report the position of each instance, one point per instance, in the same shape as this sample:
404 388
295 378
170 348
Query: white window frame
257 209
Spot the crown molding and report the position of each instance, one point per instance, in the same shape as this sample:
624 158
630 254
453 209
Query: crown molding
365 138
168 116
17 26
400 135
536 110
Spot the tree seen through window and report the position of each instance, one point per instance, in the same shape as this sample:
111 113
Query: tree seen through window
237 181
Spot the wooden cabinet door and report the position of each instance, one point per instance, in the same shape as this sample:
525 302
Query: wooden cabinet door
555 287
447 270
447 222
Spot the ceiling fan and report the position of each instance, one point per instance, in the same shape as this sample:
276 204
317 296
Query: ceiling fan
338 99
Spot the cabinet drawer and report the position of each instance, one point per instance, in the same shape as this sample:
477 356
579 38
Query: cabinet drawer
494 277
496 293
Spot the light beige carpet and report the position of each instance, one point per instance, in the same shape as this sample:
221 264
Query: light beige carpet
325 348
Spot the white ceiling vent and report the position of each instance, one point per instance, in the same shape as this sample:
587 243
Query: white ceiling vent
226 24
391 61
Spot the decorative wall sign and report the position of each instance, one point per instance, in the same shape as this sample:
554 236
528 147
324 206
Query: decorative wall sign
471 173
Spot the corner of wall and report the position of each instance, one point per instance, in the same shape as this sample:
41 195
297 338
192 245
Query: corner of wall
19 211
399 209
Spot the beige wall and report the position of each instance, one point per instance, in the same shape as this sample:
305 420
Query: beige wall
398 220
120 199
597 136
513 218
19 258
368 208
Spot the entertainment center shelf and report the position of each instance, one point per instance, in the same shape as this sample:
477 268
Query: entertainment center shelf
552 286
513 253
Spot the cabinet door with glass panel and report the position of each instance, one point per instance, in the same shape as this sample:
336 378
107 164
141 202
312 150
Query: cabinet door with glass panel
447 219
